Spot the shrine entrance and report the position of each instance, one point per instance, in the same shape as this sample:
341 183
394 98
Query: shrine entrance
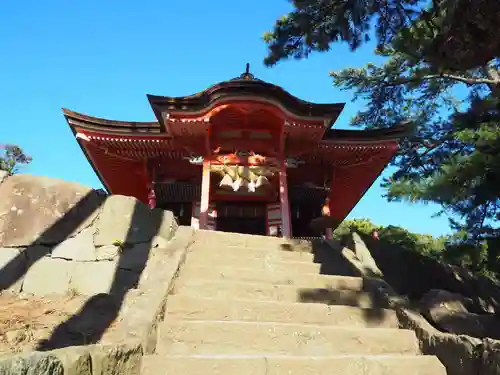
241 217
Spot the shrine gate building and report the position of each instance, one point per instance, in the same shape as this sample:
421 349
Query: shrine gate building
243 156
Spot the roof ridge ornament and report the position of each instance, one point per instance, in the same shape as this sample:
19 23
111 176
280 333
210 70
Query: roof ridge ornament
246 76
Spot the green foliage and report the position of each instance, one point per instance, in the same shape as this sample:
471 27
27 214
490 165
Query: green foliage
315 24
422 243
449 249
453 157
435 31
12 159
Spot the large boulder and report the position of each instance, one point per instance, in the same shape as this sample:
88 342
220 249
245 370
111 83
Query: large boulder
459 354
41 210
448 312
490 357
363 254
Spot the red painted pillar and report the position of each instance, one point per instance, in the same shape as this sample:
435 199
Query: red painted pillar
205 195
286 227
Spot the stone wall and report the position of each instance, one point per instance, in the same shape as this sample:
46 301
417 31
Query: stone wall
84 240
58 237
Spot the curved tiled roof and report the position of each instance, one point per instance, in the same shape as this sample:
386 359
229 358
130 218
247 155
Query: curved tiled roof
245 86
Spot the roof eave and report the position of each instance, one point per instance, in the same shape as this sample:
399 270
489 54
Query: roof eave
87 156
98 124
395 133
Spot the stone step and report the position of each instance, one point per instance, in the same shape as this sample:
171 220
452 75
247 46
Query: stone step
203 259
210 249
194 308
190 270
251 241
333 365
267 292
183 337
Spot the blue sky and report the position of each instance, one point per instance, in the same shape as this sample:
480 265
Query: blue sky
102 58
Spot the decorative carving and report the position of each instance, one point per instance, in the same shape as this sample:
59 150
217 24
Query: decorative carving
196 160
250 158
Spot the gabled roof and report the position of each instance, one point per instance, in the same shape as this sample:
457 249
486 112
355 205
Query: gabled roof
245 87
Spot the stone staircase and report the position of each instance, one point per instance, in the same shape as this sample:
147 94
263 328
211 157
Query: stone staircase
244 306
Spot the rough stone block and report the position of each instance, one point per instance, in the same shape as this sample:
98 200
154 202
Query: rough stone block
79 248
459 354
168 223
117 359
366 259
140 319
33 363
48 276
491 357
41 210
125 219
12 269
93 277
75 360
448 312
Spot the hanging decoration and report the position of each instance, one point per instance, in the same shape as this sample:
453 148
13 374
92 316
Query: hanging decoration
262 182
252 177
239 177
226 182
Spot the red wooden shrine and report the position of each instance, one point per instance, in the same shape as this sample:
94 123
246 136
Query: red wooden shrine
243 155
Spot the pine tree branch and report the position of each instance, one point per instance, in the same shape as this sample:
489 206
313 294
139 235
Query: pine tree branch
467 80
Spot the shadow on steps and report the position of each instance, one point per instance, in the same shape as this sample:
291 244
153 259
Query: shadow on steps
374 309
333 263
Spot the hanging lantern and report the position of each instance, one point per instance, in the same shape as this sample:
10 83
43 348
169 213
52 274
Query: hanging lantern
262 182
226 182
